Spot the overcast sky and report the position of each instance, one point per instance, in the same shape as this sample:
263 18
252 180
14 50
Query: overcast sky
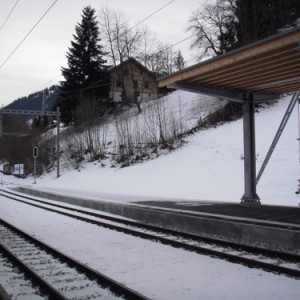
40 58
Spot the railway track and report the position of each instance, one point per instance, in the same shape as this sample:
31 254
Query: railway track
15 282
251 256
52 274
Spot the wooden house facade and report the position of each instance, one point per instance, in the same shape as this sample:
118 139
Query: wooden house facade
131 82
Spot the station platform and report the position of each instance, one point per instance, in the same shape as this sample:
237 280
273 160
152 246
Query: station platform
267 226
280 214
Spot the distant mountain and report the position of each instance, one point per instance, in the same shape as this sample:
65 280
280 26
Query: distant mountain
34 101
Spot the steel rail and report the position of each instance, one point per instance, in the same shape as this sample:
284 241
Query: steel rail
43 284
198 249
210 216
104 280
290 257
233 245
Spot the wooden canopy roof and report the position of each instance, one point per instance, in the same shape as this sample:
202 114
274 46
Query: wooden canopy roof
266 68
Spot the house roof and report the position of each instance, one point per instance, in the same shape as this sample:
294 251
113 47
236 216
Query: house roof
266 68
137 63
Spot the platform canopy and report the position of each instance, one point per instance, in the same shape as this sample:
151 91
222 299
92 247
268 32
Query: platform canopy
258 72
266 68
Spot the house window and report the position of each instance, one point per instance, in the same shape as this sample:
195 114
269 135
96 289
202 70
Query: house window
146 84
118 83
135 84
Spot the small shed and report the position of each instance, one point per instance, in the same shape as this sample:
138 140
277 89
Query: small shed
6 168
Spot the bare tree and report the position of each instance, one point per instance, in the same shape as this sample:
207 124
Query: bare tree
122 40
179 61
148 46
214 28
161 59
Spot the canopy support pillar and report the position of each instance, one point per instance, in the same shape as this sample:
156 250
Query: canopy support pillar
1 122
250 197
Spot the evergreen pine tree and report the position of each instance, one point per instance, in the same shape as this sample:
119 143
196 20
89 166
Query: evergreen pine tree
258 19
236 23
86 77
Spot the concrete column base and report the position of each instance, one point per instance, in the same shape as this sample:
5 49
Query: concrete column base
250 202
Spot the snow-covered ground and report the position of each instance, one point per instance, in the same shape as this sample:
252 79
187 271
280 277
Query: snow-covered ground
158 271
208 167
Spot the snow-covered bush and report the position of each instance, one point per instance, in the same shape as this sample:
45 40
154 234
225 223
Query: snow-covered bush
130 137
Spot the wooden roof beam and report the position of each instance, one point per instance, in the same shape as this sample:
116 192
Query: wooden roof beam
275 84
253 63
260 76
225 93
252 69
233 57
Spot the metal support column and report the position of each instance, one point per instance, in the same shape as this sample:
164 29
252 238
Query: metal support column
57 139
1 122
282 125
250 197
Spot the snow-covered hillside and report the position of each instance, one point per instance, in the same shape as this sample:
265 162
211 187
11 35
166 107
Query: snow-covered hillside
208 167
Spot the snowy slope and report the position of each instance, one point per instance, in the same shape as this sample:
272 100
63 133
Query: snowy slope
208 167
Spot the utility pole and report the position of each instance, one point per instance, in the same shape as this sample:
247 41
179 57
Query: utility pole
35 155
33 112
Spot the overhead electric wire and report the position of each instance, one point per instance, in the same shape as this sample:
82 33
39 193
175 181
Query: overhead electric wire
140 22
148 17
95 84
26 36
5 21
49 81
98 83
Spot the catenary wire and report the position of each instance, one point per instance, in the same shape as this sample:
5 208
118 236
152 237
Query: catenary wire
143 20
151 15
26 36
140 22
11 11
98 84
48 82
